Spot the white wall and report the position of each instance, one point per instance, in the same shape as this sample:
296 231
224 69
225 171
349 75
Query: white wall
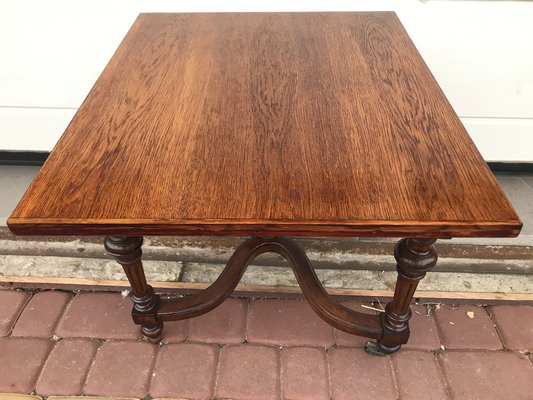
481 53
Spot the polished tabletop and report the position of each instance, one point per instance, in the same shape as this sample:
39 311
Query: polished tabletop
312 124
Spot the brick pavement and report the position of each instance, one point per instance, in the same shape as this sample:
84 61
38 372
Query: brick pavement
61 344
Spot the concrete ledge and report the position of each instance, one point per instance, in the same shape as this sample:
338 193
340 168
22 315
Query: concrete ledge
341 264
353 254
42 268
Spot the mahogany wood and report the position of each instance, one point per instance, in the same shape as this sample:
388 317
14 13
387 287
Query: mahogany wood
127 251
336 314
312 124
414 258
149 311
391 329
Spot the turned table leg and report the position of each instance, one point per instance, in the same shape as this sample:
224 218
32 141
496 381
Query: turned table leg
414 258
391 329
127 251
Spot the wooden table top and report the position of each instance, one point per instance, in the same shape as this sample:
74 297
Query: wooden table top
312 124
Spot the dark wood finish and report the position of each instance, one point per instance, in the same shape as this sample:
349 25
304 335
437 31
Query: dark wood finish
331 312
286 228
127 251
312 124
391 329
414 258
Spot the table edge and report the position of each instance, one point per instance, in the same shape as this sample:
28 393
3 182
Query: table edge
316 228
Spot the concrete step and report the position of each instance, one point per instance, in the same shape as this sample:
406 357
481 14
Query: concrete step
342 254
341 264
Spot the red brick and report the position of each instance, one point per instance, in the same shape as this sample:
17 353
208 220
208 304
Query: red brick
357 375
458 331
304 374
488 375
121 369
66 368
21 362
515 324
423 330
249 373
41 314
11 304
418 375
288 323
98 315
347 339
224 324
175 331
185 370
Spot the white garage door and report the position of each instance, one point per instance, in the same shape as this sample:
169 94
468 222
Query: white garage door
481 53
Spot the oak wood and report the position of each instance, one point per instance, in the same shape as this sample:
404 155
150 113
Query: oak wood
312 124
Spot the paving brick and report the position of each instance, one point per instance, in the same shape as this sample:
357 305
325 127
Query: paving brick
121 369
423 330
357 375
175 331
90 398
347 339
14 396
66 368
418 375
21 362
185 370
249 372
11 304
41 314
515 325
288 323
488 375
98 315
224 324
459 331
304 374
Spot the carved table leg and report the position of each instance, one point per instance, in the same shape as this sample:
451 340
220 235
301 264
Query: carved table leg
127 251
414 258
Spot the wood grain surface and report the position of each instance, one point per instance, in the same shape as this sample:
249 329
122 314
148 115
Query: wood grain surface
312 124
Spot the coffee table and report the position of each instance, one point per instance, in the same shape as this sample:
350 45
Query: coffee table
268 125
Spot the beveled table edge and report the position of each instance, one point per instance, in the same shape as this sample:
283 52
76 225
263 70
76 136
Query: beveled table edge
224 227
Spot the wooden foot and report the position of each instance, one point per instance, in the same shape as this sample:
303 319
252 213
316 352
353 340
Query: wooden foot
127 251
414 258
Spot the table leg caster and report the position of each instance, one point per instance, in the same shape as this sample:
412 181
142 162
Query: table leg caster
378 349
